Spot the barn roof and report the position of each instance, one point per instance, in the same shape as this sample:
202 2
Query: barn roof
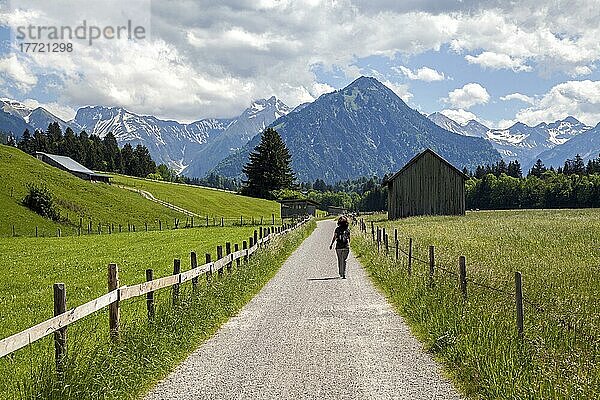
291 201
69 164
417 157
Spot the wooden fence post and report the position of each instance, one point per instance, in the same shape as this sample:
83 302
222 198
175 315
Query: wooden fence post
146 225
462 272
372 231
159 225
395 234
150 295
209 272
255 238
222 222
227 253
13 231
113 310
519 301
194 264
409 256
219 256
387 244
236 248
60 336
58 232
207 220
431 264
397 249
272 219
241 220
36 231
378 239
192 221
176 270
245 247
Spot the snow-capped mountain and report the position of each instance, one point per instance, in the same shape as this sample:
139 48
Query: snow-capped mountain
240 130
586 144
519 142
470 128
15 117
195 147
169 142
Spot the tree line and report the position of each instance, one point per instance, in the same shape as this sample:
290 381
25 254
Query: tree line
574 185
95 153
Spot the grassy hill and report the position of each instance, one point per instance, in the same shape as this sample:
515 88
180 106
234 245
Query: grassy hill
205 201
109 204
97 202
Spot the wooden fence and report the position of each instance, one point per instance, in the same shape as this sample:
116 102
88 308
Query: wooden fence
381 240
89 227
116 294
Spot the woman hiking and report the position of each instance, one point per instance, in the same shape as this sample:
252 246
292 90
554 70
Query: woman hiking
341 238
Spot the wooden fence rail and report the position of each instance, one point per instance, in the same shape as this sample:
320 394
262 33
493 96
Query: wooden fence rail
113 297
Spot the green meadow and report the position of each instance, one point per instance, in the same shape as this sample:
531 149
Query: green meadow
147 351
205 201
557 253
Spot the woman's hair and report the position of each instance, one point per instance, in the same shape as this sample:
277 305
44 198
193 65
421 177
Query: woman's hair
342 221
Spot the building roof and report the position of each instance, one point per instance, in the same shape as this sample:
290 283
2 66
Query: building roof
291 201
70 164
417 157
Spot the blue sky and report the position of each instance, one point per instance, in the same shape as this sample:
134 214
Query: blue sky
494 60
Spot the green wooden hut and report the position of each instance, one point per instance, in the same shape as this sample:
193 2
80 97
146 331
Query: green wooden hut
426 185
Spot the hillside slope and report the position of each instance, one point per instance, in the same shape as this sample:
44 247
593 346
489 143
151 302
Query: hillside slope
97 202
204 201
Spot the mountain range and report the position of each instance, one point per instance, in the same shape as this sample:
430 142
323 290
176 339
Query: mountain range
198 146
363 129
528 143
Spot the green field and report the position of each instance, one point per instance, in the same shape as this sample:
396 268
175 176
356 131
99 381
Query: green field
557 253
96 202
205 201
31 265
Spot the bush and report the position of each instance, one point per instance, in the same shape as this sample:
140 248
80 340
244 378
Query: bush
40 200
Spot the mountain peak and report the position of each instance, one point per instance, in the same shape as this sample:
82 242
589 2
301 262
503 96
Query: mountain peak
572 120
365 82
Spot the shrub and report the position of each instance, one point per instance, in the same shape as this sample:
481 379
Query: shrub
40 200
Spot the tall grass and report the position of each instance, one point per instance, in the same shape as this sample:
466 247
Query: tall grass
148 350
559 357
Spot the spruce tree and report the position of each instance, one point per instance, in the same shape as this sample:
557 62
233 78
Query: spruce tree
269 167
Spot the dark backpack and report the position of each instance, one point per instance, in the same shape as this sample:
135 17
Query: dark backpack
343 238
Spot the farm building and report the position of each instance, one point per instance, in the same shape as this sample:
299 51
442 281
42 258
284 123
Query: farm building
333 210
426 185
297 208
72 166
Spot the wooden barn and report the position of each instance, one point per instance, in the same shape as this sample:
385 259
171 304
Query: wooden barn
426 185
298 208
72 166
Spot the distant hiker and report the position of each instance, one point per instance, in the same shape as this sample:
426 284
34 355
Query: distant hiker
341 237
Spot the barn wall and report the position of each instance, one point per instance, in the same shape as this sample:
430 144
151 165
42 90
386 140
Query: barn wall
428 187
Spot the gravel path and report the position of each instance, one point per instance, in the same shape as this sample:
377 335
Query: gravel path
309 334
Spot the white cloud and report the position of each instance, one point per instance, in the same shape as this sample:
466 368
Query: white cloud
461 116
422 74
468 96
580 99
519 97
401 90
18 72
492 60
208 58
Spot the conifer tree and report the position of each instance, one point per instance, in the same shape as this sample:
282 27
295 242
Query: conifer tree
269 167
